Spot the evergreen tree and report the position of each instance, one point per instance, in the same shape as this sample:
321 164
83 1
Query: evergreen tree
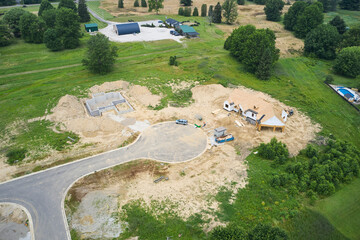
25 26
186 2
181 11
6 36
333 5
143 3
83 12
49 16
67 4
187 12
273 10
121 4
326 5
230 11
136 3
211 10
203 10
263 71
52 40
45 5
216 16
293 13
339 23
196 12
352 5
101 55
311 17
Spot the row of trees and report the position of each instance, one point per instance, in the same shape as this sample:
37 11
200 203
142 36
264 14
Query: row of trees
57 28
136 3
318 171
255 48
7 2
187 11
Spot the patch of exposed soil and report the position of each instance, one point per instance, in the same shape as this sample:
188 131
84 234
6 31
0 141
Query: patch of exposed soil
13 223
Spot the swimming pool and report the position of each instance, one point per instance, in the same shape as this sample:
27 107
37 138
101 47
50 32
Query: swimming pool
346 92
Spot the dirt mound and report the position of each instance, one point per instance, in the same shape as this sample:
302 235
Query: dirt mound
144 96
109 86
69 107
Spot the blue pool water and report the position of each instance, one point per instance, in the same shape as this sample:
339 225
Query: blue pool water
345 91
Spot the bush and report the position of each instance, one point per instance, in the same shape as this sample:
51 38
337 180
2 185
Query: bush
227 233
181 11
273 149
196 12
186 2
15 155
136 3
143 3
260 2
273 10
329 79
172 61
351 37
347 62
6 36
339 23
203 10
322 41
310 18
241 2
290 18
52 40
12 18
187 12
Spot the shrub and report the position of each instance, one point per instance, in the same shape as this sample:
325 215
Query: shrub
310 18
347 62
203 10
16 155
172 61
121 4
339 23
136 3
143 3
351 37
196 12
181 11
186 2
329 79
273 149
6 36
187 12
241 2
290 18
273 10
12 18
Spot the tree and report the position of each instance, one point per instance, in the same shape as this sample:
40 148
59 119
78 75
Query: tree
7 2
26 21
12 18
181 11
352 5
49 17
100 55
351 37
230 232
241 2
322 41
339 23
230 11
83 12
6 36
264 69
273 10
45 5
136 3
196 12
216 15
155 5
326 5
211 10
267 232
187 12
186 2
260 2
333 5
67 4
68 28
52 40
143 3
203 10
121 4
248 44
347 62
293 13
311 17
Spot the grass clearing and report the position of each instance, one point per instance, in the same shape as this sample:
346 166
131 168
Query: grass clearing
351 18
94 6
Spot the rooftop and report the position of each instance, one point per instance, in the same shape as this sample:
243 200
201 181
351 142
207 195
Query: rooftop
91 25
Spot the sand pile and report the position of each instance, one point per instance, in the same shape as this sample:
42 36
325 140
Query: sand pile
109 86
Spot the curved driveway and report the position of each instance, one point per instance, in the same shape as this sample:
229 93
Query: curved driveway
42 193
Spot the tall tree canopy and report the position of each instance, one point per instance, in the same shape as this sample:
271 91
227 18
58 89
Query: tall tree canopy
351 37
347 62
49 16
248 45
196 12
68 28
67 4
339 23
230 11
311 17
45 5
203 10
216 15
155 5
7 2
100 55
12 18
273 9
83 12
352 5
143 3
186 2
322 41
6 36
293 13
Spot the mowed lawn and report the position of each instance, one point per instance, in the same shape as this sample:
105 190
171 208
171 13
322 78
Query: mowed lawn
343 209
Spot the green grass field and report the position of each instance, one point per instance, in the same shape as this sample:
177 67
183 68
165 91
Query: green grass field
350 17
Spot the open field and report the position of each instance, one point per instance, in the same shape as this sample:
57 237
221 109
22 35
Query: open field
351 18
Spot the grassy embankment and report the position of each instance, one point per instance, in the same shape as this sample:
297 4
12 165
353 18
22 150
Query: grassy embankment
297 82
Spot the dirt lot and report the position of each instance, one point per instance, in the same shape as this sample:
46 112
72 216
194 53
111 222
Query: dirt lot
248 14
13 223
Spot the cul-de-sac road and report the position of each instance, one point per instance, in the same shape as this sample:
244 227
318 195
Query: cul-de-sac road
42 194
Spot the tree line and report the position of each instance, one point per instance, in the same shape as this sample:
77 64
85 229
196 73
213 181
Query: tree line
57 28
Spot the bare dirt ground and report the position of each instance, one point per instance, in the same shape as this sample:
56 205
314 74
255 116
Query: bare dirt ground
248 14
110 131
13 222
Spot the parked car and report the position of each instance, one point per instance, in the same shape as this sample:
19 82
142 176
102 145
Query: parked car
172 32
181 121
176 33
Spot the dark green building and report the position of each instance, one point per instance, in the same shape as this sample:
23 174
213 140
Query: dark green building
91 27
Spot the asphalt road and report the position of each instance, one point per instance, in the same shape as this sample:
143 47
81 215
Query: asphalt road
42 194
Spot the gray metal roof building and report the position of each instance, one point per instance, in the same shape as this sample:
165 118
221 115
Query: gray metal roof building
126 28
